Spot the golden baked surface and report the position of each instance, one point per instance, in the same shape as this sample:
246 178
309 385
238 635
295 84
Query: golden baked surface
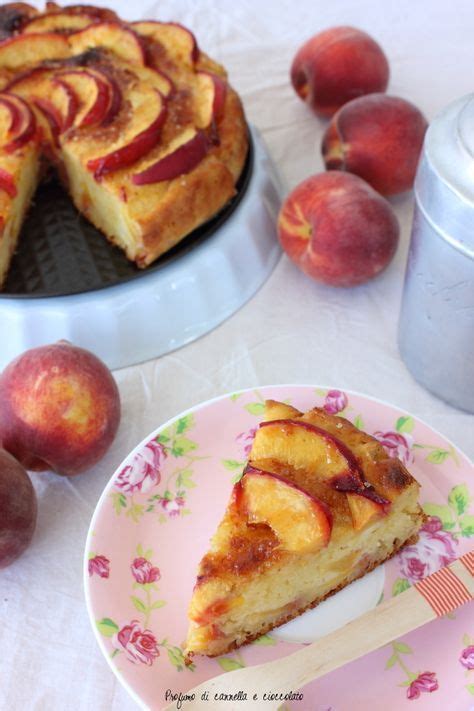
144 129
319 505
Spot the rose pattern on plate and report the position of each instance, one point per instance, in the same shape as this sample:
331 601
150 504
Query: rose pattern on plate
245 440
439 538
467 657
335 401
146 576
415 683
136 639
425 682
434 549
143 473
172 507
396 445
139 644
455 514
144 571
98 564
399 441
171 503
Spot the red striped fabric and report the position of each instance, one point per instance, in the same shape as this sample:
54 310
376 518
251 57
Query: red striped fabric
443 591
468 561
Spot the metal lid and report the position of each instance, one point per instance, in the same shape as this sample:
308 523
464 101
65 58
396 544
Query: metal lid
444 185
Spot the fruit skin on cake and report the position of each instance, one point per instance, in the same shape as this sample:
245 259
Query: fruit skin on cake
62 21
17 123
112 36
307 447
177 40
179 162
142 135
27 50
320 504
59 409
53 101
147 134
301 522
95 96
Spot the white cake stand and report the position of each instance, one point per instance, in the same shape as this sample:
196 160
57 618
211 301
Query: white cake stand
161 311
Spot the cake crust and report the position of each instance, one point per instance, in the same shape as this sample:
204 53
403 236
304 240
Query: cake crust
291 616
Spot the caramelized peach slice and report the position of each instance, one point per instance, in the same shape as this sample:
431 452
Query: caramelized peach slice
179 161
93 93
99 13
364 502
8 118
56 100
141 135
154 77
178 42
214 610
301 522
49 112
211 91
275 410
305 446
20 127
7 183
111 36
62 21
364 510
25 50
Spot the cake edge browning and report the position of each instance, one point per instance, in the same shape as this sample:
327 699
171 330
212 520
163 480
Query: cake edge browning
299 611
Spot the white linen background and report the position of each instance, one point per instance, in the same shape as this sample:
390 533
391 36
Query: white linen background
292 331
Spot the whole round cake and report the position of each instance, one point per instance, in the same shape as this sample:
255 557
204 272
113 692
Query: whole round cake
143 128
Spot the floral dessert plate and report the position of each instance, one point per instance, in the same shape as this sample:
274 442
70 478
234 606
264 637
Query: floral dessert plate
154 520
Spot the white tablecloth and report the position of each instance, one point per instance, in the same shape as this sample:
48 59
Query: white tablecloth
292 331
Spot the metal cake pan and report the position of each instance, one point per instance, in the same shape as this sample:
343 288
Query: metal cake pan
67 281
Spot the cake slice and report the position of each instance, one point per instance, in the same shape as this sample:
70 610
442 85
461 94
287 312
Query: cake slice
319 505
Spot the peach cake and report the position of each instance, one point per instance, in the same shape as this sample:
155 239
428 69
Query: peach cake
320 504
142 127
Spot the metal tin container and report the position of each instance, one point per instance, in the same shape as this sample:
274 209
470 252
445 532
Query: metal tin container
436 327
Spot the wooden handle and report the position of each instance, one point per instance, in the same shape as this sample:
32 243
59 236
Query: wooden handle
393 618
433 597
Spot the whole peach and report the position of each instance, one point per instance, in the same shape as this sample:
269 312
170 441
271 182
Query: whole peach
59 408
337 65
337 229
379 138
18 509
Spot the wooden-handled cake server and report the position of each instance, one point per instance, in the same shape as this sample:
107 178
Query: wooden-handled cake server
435 596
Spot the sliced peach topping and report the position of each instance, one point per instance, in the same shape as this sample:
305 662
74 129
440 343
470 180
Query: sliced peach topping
301 522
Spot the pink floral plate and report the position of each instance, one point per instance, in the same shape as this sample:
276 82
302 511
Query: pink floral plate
154 520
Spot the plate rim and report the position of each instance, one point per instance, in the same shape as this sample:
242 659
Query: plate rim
205 403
